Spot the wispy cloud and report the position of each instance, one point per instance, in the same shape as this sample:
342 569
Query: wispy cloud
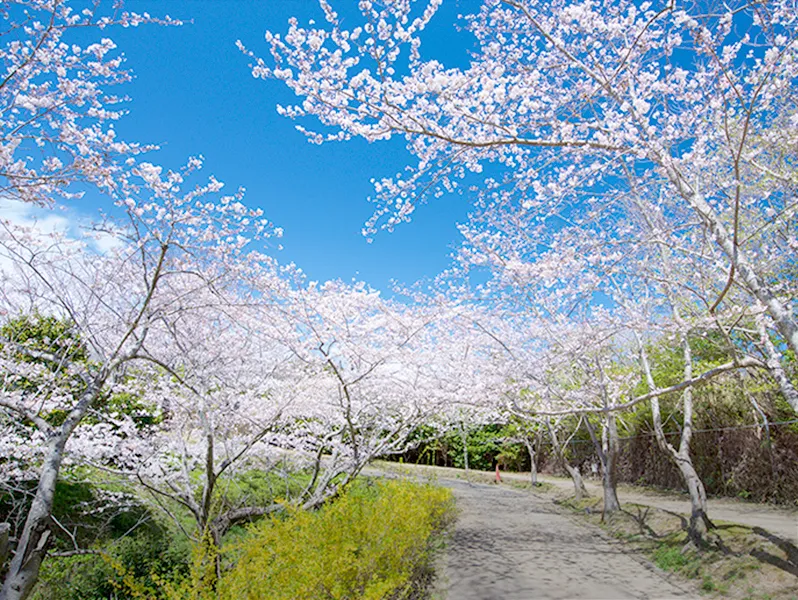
57 219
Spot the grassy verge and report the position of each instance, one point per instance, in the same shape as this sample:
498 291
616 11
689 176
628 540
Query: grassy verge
741 563
433 473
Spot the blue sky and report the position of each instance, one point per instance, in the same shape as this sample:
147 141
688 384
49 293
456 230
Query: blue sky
193 94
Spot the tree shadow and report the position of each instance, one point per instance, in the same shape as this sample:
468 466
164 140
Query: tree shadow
705 541
641 518
682 519
790 565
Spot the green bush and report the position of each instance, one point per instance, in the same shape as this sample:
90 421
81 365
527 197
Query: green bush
373 541
369 543
127 565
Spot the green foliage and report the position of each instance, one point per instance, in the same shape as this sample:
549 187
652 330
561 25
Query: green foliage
131 548
484 446
512 456
373 541
45 334
201 581
125 403
55 344
709 585
720 403
86 512
367 544
51 343
670 558
256 487
130 567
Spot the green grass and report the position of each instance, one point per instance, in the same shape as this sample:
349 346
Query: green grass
670 558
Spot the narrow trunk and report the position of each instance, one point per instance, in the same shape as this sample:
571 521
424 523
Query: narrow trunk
580 490
5 528
699 520
611 502
607 452
610 449
35 538
533 467
210 536
464 439
609 476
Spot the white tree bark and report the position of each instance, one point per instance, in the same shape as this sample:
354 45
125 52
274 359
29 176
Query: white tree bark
580 490
699 519
23 571
607 452
778 310
533 468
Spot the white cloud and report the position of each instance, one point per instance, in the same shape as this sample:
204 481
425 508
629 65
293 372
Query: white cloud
30 215
16 217
57 219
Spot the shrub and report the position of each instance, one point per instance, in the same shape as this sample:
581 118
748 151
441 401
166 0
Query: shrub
129 568
370 543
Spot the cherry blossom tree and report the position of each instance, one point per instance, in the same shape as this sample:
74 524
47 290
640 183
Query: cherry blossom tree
560 100
225 386
647 262
609 131
529 433
174 240
566 278
385 367
57 107
570 371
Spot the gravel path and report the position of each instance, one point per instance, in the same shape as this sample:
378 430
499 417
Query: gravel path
513 545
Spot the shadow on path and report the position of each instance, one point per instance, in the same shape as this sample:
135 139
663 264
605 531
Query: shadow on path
508 545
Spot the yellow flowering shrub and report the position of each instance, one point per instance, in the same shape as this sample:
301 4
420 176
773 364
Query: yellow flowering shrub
367 544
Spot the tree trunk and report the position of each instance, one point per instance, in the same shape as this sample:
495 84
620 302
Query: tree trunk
5 528
580 491
607 451
35 538
611 502
464 439
699 520
609 475
533 467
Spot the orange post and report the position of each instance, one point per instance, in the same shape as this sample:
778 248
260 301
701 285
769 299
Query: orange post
498 477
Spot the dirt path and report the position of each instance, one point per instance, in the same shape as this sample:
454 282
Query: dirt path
516 545
782 522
